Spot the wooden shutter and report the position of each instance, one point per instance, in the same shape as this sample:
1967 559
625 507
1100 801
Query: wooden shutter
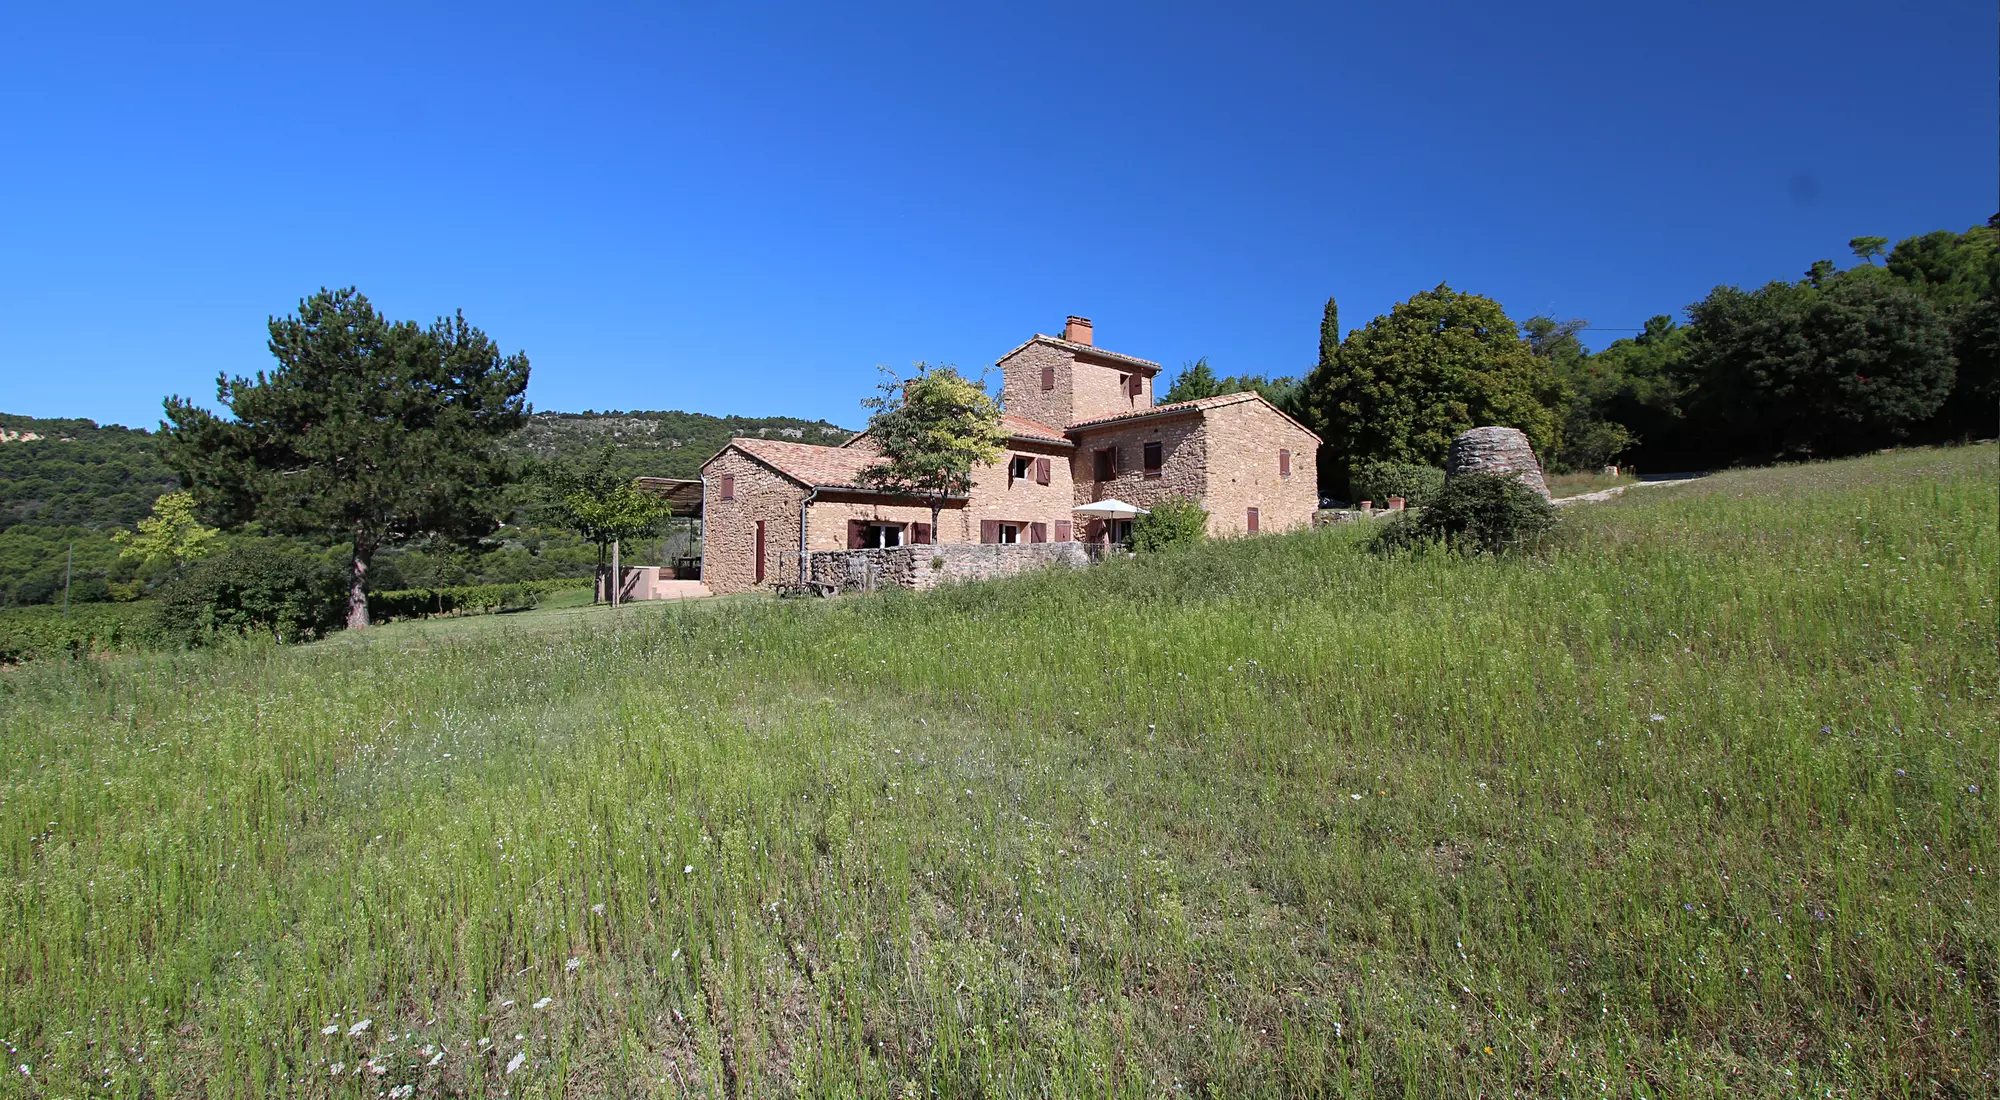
728 486
1048 379
857 534
1284 463
1041 471
1250 520
920 534
989 530
760 551
1064 531
1136 385
1038 532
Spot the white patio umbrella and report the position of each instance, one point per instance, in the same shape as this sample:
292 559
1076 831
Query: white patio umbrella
1110 509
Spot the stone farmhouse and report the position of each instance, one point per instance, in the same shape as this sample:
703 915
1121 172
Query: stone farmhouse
1081 427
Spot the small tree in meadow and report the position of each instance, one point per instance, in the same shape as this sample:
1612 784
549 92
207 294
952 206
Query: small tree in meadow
604 506
1175 521
1474 514
934 428
171 534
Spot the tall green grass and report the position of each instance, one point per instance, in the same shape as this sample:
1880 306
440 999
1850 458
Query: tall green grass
1698 803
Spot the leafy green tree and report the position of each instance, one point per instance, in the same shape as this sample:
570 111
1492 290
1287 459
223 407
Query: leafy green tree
603 505
1197 380
1793 369
369 431
1590 437
171 535
1172 521
1403 386
1866 249
1415 483
933 428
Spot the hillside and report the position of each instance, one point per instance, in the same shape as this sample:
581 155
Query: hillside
63 492
1700 803
660 444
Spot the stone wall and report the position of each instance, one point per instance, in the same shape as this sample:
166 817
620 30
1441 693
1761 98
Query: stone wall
926 567
729 545
1494 450
1244 472
1021 384
1184 457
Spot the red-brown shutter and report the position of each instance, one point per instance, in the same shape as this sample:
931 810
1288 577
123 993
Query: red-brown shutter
1137 384
760 551
1038 532
1284 463
1041 471
1251 518
920 534
857 533
989 530
1064 532
728 486
1048 378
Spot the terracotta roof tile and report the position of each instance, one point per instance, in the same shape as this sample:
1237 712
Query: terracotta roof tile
811 463
1020 427
1199 404
1091 350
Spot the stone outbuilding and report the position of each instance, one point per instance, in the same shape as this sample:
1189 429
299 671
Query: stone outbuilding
1496 450
1081 427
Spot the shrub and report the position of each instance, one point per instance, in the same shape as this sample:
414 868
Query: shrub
253 589
1474 513
41 633
1413 481
1175 521
418 603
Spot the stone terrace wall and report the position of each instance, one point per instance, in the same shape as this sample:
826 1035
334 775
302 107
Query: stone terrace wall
912 566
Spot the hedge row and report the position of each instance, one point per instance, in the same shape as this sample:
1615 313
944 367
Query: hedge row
420 603
29 633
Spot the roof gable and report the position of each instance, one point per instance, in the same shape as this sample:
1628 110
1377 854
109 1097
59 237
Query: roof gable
1084 351
1195 407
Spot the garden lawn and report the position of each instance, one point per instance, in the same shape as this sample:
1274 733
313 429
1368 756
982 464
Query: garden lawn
1698 803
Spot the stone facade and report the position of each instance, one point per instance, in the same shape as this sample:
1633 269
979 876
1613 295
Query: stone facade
1245 470
1086 384
729 526
1494 450
924 567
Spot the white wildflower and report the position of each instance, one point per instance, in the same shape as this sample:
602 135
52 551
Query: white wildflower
359 1027
1355 797
334 1069
545 1002
329 1029
572 965
514 1063
688 870
598 908
1656 718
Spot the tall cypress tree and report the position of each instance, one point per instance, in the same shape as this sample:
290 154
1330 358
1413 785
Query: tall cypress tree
1329 335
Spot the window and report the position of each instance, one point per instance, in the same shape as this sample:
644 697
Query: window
1018 467
1041 471
760 551
1250 520
1135 385
1065 531
1010 533
865 535
1048 379
1153 451
728 487
1285 463
1104 463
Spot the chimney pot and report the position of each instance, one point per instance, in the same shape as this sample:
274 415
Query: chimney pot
1077 330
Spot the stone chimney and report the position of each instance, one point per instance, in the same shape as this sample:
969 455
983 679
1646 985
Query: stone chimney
1077 330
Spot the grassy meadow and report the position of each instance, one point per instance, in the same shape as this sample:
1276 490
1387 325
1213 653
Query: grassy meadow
1699 803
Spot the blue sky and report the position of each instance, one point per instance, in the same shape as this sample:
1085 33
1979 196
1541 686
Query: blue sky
743 208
